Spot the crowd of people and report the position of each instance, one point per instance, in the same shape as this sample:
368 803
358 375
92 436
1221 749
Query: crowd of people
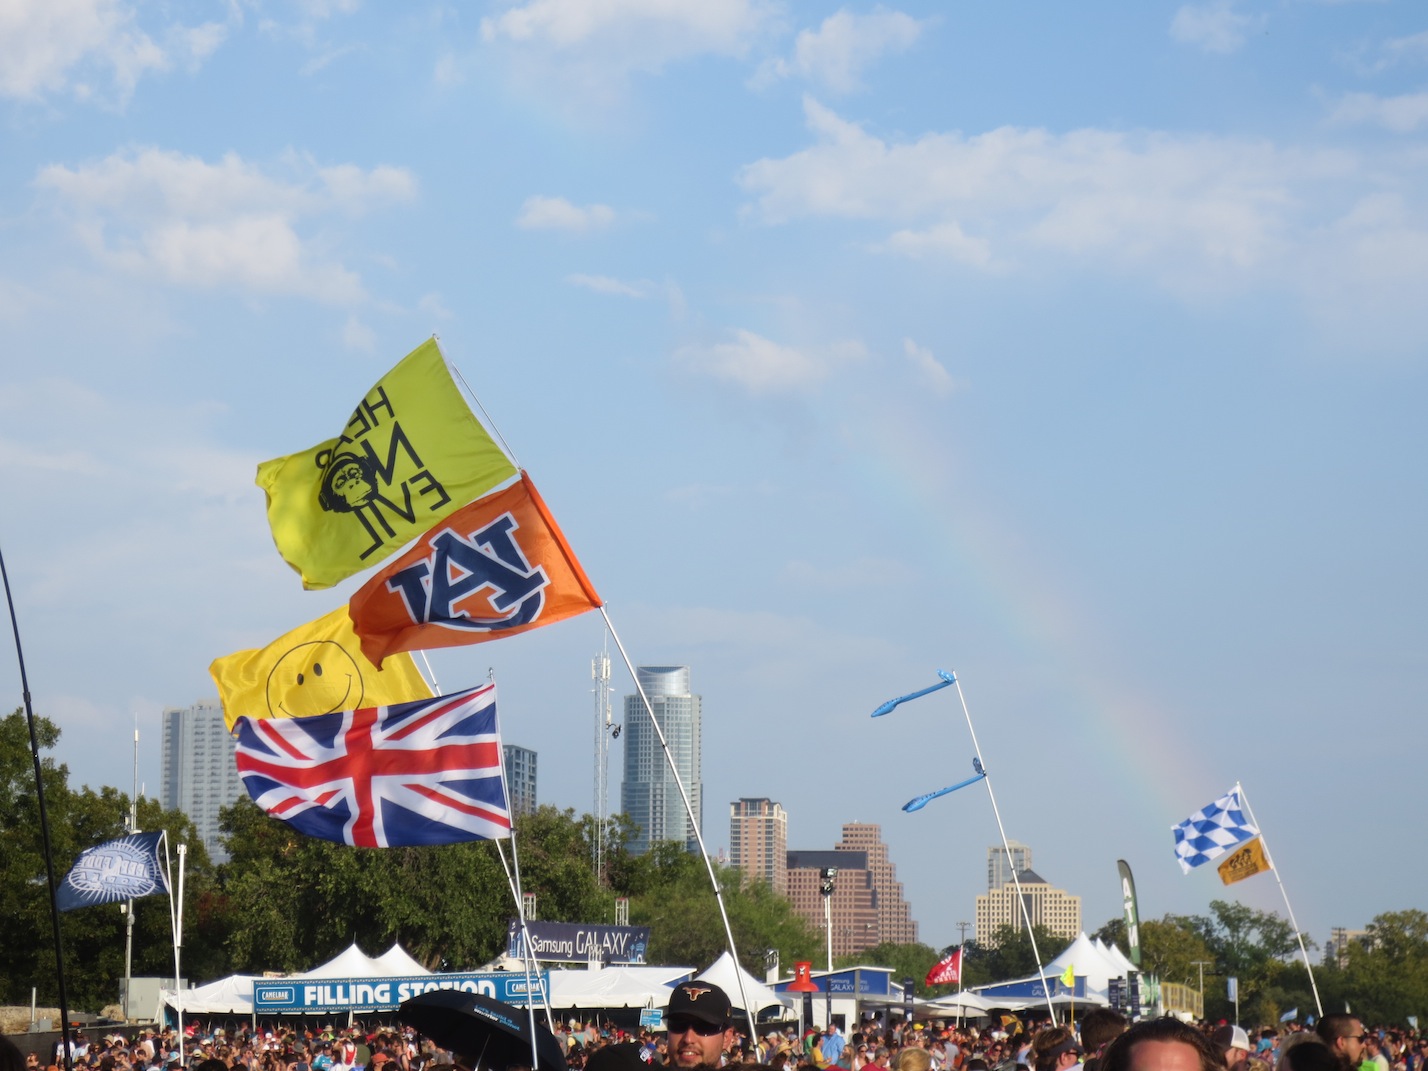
702 1032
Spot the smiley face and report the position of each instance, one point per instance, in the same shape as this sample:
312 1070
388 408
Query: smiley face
318 677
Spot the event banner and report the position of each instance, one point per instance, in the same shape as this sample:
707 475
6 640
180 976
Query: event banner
579 942
384 994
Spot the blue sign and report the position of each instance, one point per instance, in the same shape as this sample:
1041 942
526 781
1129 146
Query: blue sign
652 1019
856 981
579 942
384 994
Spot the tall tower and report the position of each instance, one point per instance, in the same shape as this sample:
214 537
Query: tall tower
758 842
200 774
1000 868
895 922
648 793
520 778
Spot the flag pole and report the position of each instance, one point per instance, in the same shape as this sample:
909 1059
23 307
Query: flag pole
68 1055
526 949
1021 899
693 822
1268 858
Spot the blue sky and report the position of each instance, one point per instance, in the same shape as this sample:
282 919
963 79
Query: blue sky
1075 348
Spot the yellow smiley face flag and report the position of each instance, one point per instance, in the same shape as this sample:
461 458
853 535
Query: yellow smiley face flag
317 668
411 453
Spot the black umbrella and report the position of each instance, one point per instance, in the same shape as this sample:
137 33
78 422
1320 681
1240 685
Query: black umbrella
489 1035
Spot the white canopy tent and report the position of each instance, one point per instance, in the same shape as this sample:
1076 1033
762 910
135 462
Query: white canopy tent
615 987
725 973
966 1004
234 995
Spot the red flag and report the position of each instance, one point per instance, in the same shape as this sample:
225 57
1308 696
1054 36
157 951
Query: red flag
493 568
947 970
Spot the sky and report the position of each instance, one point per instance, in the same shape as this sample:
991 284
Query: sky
1077 349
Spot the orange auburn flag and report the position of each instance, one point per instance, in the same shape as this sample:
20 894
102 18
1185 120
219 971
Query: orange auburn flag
495 567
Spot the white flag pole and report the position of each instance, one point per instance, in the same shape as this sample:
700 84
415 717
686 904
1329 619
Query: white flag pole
1025 911
693 824
1292 921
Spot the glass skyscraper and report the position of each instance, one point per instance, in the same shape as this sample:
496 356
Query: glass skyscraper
648 793
200 774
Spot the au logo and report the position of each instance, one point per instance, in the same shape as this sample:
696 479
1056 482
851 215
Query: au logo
486 570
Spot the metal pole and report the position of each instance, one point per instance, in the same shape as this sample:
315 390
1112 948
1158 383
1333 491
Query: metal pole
129 904
828 982
1016 880
68 1055
1318 1005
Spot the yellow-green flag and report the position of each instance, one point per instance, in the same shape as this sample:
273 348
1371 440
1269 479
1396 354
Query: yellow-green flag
317 668
1068 976
411 453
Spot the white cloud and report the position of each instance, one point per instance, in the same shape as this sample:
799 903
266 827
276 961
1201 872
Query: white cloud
557 214
579 55
942 240
1198 215
1215 27
836 54
763 367
1402 114
605 284
358 336
929 369
1132 198
669 28
90 49
224 224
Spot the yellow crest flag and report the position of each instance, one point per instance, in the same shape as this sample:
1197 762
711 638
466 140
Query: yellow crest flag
317 668
1068 976
411 454
1244 862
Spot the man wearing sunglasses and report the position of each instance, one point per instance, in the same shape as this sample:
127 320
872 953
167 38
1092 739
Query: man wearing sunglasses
699 1021
1344 1033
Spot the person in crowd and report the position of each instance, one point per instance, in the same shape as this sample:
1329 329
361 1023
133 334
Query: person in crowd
699 1024
1055 1048
1164 1044
1099 1027
1344 1034
1233 1045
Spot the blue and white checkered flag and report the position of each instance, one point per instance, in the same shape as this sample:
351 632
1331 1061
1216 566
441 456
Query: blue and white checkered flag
1212 831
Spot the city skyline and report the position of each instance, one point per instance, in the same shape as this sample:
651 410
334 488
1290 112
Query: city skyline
847 345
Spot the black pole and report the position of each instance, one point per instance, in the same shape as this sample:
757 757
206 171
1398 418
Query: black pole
44 824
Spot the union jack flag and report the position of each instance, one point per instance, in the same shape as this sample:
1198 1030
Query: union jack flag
426 772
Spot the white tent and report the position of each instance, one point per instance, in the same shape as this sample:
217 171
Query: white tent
723 974
1116 956
614 987
1086 961
234 994
396 962
227 996
966 1004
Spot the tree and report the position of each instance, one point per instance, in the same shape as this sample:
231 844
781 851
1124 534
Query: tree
1169 949
93 937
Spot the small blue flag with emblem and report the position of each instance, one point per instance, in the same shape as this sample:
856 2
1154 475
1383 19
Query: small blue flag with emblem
125 868
1212 830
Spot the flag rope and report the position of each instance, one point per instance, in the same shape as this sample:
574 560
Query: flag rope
693 822
1292 921
65 1046
1021 899
472 394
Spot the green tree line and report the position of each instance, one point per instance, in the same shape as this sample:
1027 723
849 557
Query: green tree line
285 902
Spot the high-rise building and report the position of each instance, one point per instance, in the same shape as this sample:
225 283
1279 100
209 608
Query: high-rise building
852 909
1053 909
758 841
649 794
200 775
895 922
1000 868
520 778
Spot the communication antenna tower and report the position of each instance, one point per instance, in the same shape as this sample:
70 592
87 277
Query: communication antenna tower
605 731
